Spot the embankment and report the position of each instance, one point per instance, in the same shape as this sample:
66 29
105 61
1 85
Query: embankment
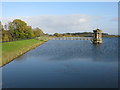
12 50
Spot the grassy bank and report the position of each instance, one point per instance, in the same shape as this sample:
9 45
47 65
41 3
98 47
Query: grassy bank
11 50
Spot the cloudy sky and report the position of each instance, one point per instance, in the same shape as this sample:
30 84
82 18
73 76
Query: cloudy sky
63 17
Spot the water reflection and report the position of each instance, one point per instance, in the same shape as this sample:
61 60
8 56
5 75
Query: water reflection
65 64
69 50
106 52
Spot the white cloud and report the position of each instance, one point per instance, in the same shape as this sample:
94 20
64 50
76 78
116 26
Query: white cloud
62 23
82 20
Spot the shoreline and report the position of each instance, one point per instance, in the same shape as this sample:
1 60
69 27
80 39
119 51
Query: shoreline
22 51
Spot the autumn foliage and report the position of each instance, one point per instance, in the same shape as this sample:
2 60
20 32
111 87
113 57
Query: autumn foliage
18 30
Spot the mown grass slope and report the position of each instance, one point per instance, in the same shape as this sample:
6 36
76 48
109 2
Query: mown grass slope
11 50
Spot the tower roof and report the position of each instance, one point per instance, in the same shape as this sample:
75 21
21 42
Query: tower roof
97 30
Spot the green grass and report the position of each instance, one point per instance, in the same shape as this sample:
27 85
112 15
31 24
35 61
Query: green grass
11 50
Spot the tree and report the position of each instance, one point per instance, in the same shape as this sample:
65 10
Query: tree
38 32
1 26
29 32
5 35
56 34
19 30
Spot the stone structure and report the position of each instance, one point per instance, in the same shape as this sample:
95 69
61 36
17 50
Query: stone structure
97 36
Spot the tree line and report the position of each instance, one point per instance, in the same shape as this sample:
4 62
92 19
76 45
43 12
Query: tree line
18 30
78 34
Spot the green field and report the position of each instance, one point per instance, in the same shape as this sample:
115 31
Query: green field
11 50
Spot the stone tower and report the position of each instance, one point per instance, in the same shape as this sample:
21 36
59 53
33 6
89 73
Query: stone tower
97 36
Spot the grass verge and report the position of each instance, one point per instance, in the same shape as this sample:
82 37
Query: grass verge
12 50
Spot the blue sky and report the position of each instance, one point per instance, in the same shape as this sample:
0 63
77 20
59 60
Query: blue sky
52 8
98 14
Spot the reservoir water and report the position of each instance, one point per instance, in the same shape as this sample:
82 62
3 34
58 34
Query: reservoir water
65 64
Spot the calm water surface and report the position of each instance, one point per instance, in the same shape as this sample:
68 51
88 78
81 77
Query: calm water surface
65 64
